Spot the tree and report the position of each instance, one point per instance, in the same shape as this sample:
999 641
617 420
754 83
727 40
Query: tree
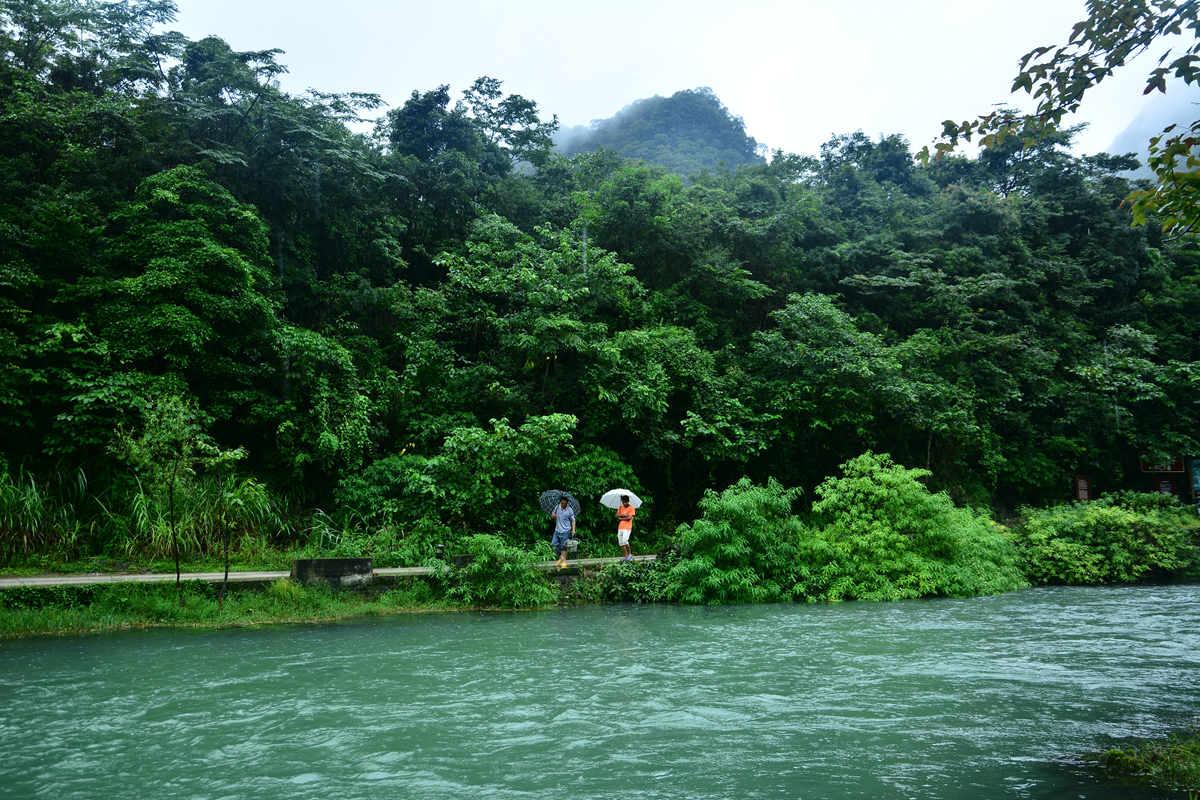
184 289
823 381
1114 32
221 462
165 451
511 122
447 165
267 147
89 46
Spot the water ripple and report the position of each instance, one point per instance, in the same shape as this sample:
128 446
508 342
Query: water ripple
974 699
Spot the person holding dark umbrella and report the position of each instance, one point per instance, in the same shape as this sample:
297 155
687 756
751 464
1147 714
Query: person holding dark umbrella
564 529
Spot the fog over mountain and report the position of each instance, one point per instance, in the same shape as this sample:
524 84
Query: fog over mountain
1178 105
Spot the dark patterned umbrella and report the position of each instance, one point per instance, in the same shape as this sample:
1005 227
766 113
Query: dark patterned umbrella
549 501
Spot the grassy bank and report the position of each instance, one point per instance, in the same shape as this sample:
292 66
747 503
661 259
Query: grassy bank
1172 763
499 577
36 611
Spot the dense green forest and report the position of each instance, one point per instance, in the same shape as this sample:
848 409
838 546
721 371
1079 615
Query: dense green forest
223 308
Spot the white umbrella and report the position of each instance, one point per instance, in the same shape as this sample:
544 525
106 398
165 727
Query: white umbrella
613 499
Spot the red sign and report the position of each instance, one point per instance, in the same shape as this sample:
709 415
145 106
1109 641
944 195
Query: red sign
1174 465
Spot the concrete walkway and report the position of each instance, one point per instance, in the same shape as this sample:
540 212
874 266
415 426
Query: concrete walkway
256 577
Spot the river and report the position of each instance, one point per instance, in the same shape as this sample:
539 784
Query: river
992 697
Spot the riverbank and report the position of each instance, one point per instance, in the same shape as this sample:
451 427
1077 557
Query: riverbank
55 605
99 608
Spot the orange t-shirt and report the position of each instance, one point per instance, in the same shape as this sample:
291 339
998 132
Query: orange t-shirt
626 524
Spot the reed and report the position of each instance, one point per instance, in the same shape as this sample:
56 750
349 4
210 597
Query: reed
39 516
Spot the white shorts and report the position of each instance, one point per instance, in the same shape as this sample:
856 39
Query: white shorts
622 536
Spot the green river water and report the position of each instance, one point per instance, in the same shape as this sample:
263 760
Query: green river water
994 697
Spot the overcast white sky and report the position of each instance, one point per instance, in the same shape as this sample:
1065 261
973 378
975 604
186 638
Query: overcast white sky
795 71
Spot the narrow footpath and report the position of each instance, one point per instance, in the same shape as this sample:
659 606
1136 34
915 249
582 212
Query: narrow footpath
258 577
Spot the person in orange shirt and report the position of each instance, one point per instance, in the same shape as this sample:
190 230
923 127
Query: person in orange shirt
625 525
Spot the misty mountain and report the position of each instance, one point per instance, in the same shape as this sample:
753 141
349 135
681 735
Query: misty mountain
688 132
1178 105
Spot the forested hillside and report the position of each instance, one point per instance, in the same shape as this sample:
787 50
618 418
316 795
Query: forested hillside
691 131
406 332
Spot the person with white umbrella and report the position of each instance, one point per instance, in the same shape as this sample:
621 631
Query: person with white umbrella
626 504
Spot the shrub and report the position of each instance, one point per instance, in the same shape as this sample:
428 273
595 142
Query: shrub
742 550
879 534
410 593
390 545
484 480
286 592
499 575
1118 538
636 582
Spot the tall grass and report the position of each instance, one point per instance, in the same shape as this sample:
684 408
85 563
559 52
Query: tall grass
39 516
201 509
56 519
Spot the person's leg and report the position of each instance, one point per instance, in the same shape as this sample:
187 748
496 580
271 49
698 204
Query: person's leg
623 541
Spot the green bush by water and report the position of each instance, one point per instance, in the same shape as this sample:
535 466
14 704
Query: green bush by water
742 550
499 575
1118 538
879 534
629 581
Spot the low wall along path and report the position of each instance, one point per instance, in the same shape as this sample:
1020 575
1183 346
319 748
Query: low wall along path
262 577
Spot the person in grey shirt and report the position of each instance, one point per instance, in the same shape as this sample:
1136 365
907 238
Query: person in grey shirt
564 528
